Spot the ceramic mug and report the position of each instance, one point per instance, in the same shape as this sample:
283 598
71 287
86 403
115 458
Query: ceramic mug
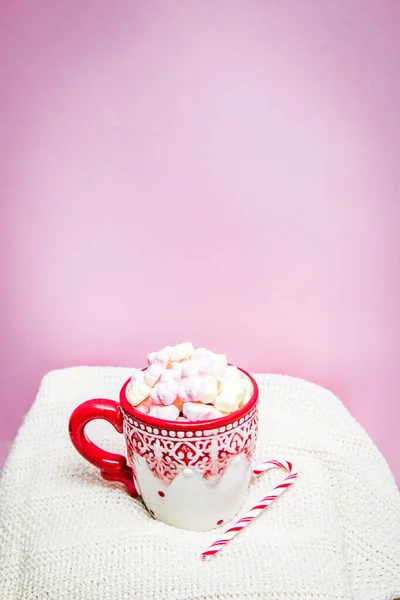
190 475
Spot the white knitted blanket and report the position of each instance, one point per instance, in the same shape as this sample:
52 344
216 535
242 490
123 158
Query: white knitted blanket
67 534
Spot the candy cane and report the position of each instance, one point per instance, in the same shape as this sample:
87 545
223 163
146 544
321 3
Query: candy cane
255 511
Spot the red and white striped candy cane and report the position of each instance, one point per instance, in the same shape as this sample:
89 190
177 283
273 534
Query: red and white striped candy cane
255 511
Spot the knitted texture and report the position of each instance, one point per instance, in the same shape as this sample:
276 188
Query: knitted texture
67 534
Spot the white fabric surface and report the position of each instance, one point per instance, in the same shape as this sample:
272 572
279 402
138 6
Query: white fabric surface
67 534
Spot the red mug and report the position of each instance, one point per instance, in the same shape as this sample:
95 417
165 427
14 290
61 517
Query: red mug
190 475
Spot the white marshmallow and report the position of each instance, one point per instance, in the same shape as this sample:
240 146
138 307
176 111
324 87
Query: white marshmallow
227 401
200 412
248 392
181 351
217 364
164 392
232 373
171 375
211 390
170 413
192 388
248 389
162 357
242 389
137 393
152 374
202 353
232 393
236 388
137 375
191 368
176 366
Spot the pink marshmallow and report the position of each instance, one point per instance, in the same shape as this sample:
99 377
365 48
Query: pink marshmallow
162 357
171 375
191 368
164 392
192 389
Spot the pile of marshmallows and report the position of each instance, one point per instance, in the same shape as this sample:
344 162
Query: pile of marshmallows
184 384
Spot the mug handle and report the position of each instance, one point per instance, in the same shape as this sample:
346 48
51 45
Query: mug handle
113 467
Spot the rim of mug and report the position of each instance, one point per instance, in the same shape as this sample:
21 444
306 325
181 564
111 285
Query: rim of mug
190 425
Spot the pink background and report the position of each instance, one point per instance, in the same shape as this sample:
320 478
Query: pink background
221 172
